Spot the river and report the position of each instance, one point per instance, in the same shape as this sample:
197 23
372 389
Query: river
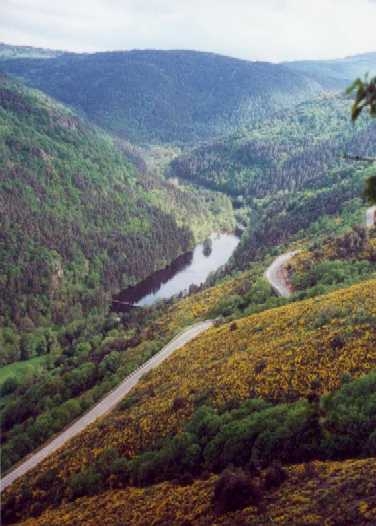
192 268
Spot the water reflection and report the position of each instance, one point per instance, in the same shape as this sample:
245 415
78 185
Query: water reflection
189 269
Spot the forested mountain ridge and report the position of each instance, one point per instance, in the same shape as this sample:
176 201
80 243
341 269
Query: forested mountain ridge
291 151
12 52
337 73
77 220
165 96
170 96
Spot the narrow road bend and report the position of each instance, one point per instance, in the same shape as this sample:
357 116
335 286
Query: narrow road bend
276 272
106 404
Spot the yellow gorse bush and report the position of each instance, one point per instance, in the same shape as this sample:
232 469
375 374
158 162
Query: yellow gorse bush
315 494
280 354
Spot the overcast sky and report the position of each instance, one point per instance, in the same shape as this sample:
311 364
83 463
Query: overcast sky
253 29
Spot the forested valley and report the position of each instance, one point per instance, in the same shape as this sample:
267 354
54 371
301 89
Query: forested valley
266 417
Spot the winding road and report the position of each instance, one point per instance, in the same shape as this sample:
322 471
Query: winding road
276 272
106 404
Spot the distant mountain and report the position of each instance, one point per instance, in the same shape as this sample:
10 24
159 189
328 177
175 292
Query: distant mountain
165 96
338 73
12 52
294 150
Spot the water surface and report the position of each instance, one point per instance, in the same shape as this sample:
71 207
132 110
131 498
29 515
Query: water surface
189 269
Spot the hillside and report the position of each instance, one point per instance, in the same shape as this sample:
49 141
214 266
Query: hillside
336 74
289 169
335 261
312 494
268 415
12 52
292 151
268 369
78 222
165 96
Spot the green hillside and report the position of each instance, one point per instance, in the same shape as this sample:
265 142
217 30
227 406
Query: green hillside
77 221
165 95
290 169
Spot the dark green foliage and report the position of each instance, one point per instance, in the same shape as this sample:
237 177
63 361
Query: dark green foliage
284 432
290 169
365 97
255 435
341 261
370 189
76 221
85 483
81 372
350 418
274 476
166 96
9 386
337 272
235 490
297 149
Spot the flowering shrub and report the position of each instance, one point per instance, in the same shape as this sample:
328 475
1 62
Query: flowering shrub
305 346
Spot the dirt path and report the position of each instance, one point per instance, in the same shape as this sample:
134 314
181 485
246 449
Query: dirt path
106 404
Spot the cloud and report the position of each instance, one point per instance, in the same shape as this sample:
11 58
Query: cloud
252 29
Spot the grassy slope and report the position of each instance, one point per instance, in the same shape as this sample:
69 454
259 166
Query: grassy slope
19 369
293 342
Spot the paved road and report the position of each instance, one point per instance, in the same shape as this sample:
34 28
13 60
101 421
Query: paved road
275 273
276 276
105 405
370 216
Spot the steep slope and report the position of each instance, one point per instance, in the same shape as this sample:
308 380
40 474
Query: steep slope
77 220
336 261
165 95
294 150
290 169
300 350
331 493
